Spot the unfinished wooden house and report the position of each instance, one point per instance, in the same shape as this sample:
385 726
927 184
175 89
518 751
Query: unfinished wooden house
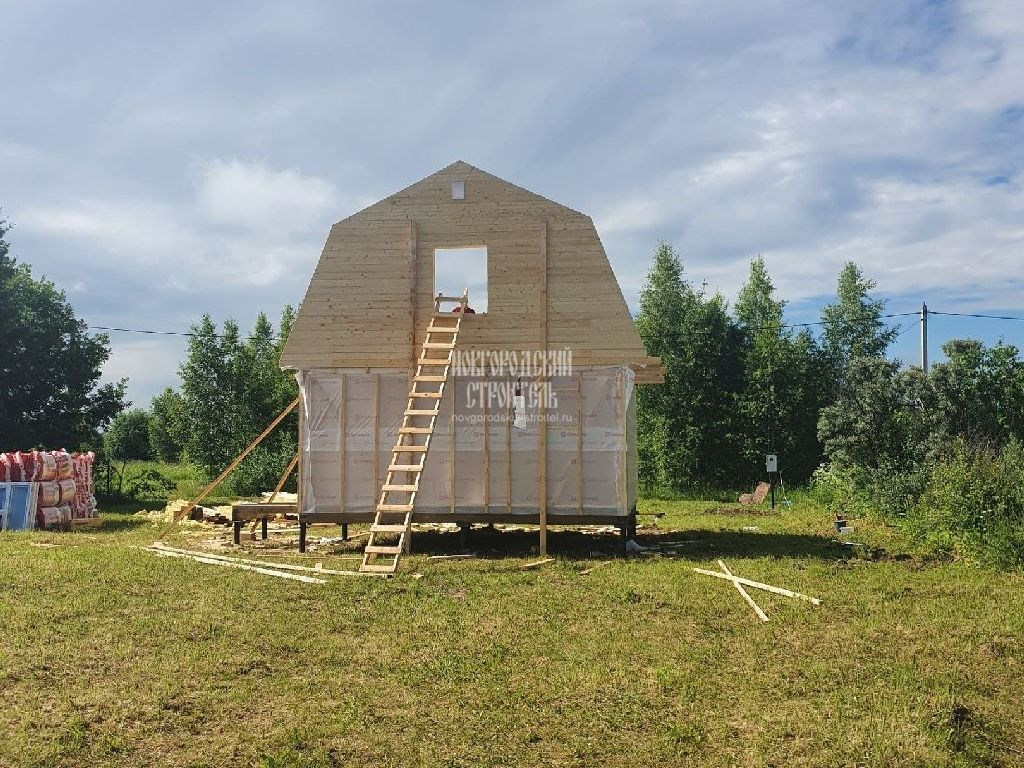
415 407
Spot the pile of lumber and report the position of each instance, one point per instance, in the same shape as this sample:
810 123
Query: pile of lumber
220 515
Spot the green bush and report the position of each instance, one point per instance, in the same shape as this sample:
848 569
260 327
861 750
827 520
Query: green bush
132 481
127 438
183 481
146 483
973 505
894 491
261 469
842 490
967 503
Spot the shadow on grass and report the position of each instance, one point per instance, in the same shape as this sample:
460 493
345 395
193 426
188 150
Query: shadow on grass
703 544
696 544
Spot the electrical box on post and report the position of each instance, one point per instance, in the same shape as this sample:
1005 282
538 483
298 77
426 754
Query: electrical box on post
771 462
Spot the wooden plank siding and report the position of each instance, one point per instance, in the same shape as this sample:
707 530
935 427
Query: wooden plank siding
373 288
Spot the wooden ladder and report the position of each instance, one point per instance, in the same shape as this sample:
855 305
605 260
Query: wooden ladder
393 518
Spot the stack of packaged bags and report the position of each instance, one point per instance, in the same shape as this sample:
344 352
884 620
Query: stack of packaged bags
63 489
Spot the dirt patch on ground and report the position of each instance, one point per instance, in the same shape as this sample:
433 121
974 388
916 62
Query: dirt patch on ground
738 511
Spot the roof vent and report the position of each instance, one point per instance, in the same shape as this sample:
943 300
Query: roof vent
458 190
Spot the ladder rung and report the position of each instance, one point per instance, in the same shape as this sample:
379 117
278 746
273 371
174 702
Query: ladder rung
377 549
412 480
371 568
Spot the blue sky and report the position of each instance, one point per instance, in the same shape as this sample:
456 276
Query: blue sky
161 160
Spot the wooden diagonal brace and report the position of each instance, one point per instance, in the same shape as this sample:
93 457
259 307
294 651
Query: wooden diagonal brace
238 460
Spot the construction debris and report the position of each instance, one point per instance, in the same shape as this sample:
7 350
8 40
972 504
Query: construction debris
317 568
230 564
260 566
46 490
538 562
757 497
220 515
746 596
283 497
759 585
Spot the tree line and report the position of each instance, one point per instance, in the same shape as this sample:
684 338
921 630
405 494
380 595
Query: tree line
50 366
231 389
739 381
939 453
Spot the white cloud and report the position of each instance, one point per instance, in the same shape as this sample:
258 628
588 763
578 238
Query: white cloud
126 232
250 226
255 196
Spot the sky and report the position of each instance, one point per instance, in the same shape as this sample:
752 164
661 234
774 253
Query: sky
164 160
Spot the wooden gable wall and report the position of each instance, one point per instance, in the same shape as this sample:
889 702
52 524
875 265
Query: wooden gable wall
549 281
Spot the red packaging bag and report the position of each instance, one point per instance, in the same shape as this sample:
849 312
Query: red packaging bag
62 459
45 468
49 517
67 490
19 467
49 494
83 504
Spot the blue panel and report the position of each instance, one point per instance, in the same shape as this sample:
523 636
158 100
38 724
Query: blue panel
21 512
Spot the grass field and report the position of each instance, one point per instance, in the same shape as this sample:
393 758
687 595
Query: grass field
113 656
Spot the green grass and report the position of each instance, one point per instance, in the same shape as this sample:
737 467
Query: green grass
113 656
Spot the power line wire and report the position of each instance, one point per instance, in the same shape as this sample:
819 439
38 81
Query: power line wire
162 333
967 314
826 322
191 334
914 324
140 330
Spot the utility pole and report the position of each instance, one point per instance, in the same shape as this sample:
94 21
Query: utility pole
924 337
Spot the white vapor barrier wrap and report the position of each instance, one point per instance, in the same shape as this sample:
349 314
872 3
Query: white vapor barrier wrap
496 454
